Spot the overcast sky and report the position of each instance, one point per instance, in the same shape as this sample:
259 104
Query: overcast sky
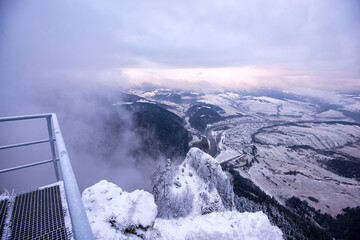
59 55
240 43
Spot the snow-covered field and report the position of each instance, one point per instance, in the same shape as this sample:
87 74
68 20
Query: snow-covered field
271 106
331 114
238 138
284 171
234 104
227 101
319 136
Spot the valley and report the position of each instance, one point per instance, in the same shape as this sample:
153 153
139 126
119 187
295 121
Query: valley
307 160
287 145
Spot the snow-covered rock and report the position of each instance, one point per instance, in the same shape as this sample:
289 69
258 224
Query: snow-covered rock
197 186
195 201
115 214
227 225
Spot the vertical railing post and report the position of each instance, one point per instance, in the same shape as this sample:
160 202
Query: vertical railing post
79 220
52 146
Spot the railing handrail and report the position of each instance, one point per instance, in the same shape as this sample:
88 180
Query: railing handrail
50 140
81 228
25 117
80 223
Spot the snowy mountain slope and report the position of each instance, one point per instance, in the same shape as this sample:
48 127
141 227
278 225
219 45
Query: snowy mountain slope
115 214
307 160
227 101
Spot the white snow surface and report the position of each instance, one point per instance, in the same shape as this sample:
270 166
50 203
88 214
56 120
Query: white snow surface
4 195
116 214
226 101
331 114
113 212
219 225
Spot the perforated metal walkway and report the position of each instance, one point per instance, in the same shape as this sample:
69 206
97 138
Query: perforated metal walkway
37 214
3 211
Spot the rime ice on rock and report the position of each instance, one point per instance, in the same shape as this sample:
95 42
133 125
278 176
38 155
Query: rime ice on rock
198 186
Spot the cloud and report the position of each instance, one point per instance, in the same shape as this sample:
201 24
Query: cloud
101 37
98 149
241 77
209 33
61 55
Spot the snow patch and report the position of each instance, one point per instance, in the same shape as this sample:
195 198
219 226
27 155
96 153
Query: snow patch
331 114
219 225
114 213
223 101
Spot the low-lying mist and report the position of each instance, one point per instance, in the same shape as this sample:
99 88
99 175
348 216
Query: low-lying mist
100 137
53 57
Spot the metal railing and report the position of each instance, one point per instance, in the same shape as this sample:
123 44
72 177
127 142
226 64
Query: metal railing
80 223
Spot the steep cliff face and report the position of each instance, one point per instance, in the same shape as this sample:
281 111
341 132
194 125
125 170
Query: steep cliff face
197 186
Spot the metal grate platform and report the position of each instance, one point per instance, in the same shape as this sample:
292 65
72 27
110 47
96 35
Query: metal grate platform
3 212
37 215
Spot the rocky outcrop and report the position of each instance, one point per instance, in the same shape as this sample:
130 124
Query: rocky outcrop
197 186
193 201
